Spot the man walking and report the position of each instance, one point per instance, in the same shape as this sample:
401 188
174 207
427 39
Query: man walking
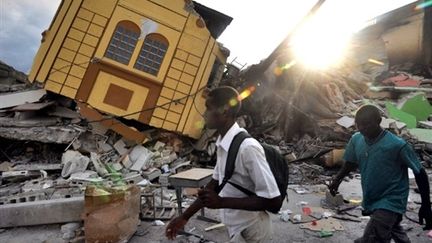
383 160
245 216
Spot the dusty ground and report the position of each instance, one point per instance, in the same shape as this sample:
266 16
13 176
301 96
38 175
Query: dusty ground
283 232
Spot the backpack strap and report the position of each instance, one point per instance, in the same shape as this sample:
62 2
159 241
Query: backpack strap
242 189
231 159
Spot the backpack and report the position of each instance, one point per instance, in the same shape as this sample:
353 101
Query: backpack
276 161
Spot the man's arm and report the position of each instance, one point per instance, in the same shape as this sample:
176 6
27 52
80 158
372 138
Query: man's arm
410 158
179 222
253 203
425 213
344 171
198 204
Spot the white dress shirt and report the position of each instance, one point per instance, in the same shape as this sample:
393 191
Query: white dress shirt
251 172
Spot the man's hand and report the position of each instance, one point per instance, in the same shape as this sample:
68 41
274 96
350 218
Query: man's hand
174 226
425 214
210 198
334 186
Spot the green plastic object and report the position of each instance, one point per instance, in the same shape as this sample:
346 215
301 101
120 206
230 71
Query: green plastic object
395 113
418 106
324 233
423 135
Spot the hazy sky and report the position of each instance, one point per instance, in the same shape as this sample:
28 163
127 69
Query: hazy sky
258 26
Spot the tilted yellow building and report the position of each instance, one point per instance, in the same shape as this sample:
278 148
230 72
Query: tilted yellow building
145 60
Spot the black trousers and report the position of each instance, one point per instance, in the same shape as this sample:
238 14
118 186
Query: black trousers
384 226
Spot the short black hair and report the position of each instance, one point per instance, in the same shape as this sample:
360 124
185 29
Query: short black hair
226 96
368 112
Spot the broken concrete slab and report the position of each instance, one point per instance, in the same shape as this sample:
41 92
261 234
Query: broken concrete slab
19 175
59 135
422 135
28 122
70 227
346 121
37 185
60 111
386 122
133 178
38 166
88 175
159 146
19 98
42 212
24 197
140 157
120 147
152 174
33 106
99 166
98 128
104 147
426 124
73 161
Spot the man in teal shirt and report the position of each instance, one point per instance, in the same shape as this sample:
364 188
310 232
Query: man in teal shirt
383 160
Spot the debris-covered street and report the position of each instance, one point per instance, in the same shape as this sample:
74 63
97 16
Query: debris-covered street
115 133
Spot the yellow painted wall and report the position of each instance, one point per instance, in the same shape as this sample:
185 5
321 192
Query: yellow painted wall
83 29
63 58
121 14
103 81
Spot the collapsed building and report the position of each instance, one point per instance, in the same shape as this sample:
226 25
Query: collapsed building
144 61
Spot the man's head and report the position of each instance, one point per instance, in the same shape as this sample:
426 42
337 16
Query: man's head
222 105
368 119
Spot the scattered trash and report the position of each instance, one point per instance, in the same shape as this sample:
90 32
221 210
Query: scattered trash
297 217
285 215
302 203
327 214
324 234
329 225
158 223
216 226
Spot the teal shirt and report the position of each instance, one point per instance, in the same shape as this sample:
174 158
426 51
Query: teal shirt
383 167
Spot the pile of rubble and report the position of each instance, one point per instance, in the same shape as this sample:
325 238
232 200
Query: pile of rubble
50 156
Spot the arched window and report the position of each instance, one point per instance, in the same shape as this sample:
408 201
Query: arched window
123 42
152 54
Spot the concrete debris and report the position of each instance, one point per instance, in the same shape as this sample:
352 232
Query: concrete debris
73 162
38 167
70 227
98 165
42 212
60 135
158 223
19 98
285 215
140 158
88 175
346 122
120 147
